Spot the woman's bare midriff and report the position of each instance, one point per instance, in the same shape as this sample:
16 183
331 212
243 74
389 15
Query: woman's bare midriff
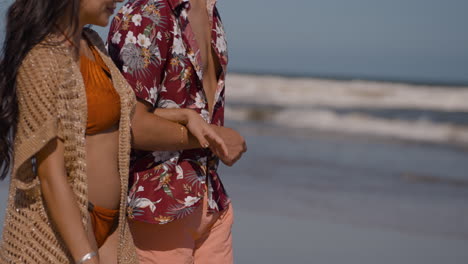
102 168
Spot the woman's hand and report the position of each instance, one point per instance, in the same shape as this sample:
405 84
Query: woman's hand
205 134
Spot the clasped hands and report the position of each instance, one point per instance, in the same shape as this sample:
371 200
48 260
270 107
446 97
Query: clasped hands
226 143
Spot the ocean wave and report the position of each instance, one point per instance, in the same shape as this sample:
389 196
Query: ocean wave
409 112
306 91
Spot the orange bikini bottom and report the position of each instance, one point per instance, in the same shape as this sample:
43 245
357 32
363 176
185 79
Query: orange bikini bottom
104 222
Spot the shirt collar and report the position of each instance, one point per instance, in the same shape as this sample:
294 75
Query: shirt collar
176 3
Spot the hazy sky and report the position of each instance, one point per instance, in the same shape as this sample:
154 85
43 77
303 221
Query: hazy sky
420 40
402 39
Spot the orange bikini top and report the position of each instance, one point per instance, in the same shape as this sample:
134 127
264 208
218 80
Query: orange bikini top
103 100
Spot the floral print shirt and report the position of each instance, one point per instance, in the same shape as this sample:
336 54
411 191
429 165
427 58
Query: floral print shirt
152 43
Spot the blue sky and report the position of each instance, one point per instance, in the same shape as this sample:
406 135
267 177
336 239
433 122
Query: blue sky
425 40
416 40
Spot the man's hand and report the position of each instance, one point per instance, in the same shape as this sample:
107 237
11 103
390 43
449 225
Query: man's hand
235 144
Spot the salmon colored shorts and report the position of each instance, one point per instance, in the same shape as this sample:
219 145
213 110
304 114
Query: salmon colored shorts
199 238
104 222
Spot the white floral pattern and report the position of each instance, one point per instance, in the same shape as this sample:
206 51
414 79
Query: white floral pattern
130 38
136 19
189 200
180 172
116 38
159 156
178 47
221 43
200 100
143 41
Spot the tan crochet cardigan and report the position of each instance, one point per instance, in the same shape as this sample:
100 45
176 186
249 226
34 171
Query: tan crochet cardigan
52 103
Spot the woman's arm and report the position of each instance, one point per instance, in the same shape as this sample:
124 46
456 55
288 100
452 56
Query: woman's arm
61 202
234 142
178 115
153 132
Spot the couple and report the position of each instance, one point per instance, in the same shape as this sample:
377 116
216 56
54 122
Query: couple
69 117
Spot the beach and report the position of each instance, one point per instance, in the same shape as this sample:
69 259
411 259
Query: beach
347 172
314 197
366 165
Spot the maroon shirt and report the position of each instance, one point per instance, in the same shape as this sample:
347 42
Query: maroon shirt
153 44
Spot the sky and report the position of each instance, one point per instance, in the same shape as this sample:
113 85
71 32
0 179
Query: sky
408 40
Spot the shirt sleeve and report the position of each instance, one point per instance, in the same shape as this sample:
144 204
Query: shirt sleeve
138 43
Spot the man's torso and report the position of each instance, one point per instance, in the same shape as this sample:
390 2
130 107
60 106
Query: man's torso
171 63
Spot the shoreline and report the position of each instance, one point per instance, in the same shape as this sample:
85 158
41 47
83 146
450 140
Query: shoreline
376 79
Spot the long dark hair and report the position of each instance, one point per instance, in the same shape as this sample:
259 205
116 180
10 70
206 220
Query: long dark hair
28 23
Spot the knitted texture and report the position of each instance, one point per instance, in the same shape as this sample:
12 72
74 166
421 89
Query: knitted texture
52 103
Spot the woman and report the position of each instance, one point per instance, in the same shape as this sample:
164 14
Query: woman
65 136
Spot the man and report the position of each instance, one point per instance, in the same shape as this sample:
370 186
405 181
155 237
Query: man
173 53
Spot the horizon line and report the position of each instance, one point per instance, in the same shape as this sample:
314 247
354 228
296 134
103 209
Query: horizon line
344 77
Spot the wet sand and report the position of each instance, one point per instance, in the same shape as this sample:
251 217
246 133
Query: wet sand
313 197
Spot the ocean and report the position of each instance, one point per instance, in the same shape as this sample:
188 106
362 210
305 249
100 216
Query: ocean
420 113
